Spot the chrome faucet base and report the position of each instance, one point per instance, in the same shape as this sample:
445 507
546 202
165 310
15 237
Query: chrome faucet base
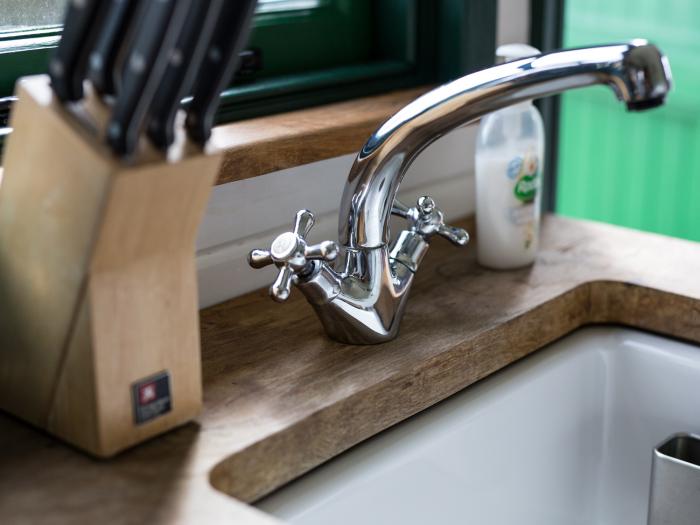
359 309
360 298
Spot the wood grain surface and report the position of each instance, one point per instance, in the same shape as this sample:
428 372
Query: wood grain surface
280 398
261 145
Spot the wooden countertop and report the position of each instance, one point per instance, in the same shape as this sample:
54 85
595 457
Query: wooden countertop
280 398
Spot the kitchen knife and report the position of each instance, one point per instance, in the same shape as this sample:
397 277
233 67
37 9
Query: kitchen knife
68 63
222 55
104 54
158 24
181 70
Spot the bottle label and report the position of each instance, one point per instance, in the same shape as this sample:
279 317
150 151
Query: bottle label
523 170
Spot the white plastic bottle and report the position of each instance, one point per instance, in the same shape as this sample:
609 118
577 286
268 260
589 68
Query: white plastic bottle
509 155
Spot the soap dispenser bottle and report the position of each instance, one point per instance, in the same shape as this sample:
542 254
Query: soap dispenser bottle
509 155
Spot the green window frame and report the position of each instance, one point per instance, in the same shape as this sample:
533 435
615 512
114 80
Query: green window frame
332 51
546 23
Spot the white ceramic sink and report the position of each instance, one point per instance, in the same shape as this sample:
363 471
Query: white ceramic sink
562 437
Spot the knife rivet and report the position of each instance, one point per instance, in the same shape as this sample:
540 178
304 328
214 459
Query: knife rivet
176 57
96 61
56 67
137 63
114 130
215 54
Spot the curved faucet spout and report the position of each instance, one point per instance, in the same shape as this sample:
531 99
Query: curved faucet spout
360 299
637 72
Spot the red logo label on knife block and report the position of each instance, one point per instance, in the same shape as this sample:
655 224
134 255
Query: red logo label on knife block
151 397
147 393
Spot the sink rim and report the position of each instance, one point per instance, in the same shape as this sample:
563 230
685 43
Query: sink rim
553 355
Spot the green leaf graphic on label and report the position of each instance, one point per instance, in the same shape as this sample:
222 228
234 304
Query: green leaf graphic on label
526 188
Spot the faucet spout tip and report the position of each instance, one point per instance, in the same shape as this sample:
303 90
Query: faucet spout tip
646 75
642 105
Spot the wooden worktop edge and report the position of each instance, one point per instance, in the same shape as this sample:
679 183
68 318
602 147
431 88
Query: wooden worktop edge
261 145
392 401
386 404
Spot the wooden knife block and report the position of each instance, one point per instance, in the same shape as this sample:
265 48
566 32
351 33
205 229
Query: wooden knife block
98 287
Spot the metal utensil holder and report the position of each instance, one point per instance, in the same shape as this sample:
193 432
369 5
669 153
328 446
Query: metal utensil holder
674 497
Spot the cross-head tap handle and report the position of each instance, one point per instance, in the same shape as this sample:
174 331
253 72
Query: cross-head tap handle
427 220
290 253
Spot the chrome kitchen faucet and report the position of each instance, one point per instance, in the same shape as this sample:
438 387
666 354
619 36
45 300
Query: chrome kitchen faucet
359 288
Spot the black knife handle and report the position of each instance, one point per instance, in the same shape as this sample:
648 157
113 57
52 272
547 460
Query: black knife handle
69 61
118 15
229 37
159 23
182 68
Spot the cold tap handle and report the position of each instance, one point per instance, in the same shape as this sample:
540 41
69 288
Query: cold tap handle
303 222
259 258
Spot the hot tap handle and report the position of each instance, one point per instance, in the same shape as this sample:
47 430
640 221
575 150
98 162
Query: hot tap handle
400 209
435 219
426 206
427 220
458 236
290 253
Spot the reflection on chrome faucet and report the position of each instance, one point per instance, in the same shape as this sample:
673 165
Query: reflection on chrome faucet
359 288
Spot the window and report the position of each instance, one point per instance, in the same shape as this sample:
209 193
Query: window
18 15
313 51
638 170
319 51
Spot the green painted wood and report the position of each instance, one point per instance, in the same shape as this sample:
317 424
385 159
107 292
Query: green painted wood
466 37
291 92
25 53
333 34
338 50
640 170
546 25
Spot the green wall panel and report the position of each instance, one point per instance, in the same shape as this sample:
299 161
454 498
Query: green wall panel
634 169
